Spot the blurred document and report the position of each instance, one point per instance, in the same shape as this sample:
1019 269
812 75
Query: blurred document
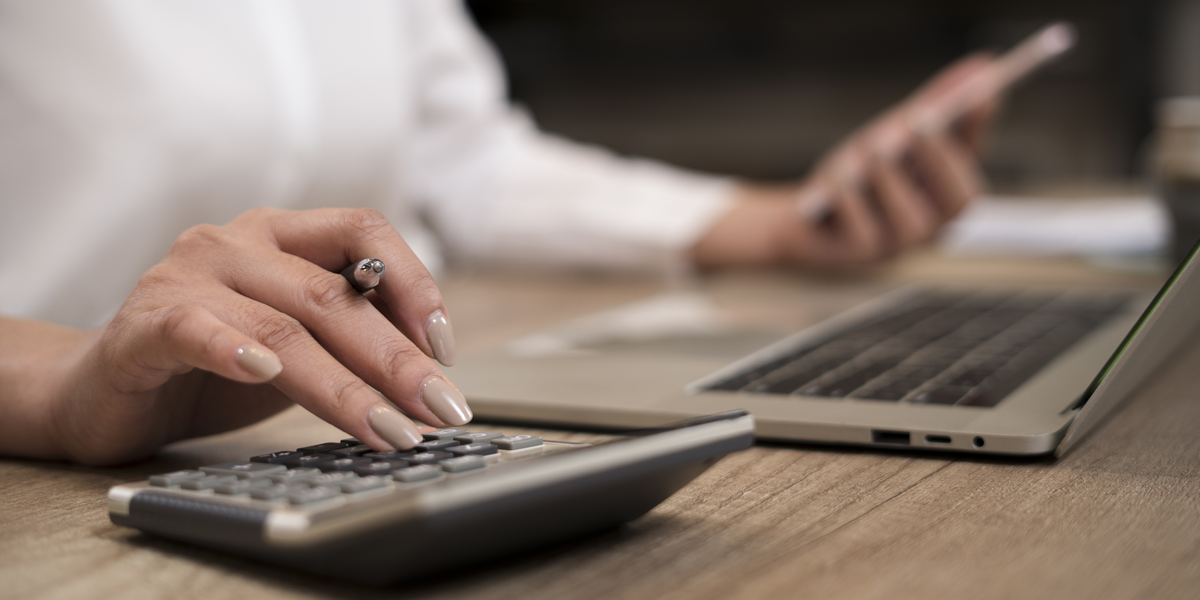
1022 226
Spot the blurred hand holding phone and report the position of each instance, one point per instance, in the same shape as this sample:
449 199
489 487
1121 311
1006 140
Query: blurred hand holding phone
971 85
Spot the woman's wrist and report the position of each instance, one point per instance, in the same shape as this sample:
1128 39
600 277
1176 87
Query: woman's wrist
757 230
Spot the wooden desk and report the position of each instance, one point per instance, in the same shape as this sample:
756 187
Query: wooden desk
1117 518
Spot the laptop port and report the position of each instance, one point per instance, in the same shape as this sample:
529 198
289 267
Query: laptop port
977 442
902 438
937 439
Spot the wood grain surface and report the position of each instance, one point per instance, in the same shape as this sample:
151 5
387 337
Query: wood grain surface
1117 518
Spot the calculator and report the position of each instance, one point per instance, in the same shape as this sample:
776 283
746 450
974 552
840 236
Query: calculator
343 510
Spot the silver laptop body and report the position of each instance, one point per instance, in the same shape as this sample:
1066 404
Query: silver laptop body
1107 344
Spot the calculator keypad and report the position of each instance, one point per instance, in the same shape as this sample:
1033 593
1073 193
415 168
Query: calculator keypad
315 476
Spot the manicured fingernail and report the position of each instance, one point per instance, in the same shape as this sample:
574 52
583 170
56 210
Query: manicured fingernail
259 361
441 338
446 402
393 427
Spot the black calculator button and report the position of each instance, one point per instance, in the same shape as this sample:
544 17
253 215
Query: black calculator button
343 464
382 467
349 451
351 442
435 445
389 455
473 449
320 448
243 470
517 442
417 473
445 434
174 478
463 463
477 437
427 458
315 494
276 458
308 460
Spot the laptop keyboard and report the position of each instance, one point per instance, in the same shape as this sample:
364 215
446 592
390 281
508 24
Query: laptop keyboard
939 348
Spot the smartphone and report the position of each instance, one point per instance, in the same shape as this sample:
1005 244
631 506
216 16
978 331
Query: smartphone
1023 59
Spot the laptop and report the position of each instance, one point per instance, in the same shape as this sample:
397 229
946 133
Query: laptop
987 370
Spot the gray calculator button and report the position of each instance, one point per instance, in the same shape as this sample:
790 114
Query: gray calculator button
517 442
242 486
445 434
478 437
427 458
480 449
243 470
207 482
363 484
417 473
344 464
294 475
315 494
274 491
463 463
333 478
174 478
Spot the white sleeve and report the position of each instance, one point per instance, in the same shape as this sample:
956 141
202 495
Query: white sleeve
498 190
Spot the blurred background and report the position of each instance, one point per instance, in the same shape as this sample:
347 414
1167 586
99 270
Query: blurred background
760 88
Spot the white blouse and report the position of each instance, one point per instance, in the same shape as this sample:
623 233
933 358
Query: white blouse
124 122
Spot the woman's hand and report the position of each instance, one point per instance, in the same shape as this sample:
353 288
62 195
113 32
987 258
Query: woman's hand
889 186
228 310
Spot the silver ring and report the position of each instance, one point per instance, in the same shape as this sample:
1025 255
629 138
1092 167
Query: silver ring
365 274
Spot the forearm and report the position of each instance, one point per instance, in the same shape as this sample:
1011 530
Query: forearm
35 360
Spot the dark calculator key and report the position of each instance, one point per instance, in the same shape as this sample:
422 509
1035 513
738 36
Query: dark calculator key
343 464
363 484
463 463
356 450
417 473
276 458
445 434
174 478
517 442
311 495
243 470
334 478
428 458
308 460
293 475
474 449
242 486
382 467
435 445
478 437
397 455
352 442
207 482
320 448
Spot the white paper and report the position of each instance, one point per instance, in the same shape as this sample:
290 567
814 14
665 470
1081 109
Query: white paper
1022 226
